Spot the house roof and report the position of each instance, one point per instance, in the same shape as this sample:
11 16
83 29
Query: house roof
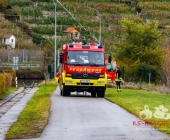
7 36
70 30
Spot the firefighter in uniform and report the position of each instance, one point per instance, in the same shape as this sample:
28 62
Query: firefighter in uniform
118 79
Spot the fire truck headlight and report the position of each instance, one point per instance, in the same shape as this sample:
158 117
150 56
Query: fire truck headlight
69 81
100 82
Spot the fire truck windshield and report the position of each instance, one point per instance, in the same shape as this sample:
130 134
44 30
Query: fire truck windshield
89 58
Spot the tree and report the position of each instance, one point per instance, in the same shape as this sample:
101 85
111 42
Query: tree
48 50
3 4
140 43
165 75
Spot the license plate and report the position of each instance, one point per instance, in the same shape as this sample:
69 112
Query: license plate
84 81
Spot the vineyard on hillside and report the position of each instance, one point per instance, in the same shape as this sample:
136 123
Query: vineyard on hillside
39 14
35 20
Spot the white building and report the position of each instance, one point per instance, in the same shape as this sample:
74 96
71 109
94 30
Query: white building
72 33
9 39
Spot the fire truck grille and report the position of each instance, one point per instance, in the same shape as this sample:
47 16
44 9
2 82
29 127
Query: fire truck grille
89 76
85 84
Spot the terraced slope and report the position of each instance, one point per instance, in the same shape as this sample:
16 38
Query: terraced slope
40 16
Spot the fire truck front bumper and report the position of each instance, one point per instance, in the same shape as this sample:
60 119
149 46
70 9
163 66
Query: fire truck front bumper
85 84
101 82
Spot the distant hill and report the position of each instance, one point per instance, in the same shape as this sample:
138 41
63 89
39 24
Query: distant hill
39 14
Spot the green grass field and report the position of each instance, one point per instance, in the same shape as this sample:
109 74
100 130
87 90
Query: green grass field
8 91
135 100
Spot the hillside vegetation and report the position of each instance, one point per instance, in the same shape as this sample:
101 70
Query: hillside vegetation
36 18
40 16
23 39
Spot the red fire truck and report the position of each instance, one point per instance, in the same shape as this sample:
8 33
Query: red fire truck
83 68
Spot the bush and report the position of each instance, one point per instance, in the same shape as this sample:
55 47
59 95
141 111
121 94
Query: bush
13 75
2 82
144 71
8 80
30 73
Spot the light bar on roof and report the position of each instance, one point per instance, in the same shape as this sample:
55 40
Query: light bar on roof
85 46
100 46
71 46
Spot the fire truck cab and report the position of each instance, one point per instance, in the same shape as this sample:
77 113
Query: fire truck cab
83 68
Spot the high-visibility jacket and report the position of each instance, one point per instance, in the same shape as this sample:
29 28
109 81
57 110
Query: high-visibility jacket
118 76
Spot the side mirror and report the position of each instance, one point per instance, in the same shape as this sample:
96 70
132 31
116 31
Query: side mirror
108 67
110 59
113 66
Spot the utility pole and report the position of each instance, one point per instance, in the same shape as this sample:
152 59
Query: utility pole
55 43
77 21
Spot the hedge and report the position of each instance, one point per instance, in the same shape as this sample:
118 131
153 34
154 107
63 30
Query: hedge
2 82
13 75
7 79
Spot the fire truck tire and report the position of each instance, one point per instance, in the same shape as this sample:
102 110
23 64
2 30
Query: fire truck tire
93 94
64 91
68 93
101 93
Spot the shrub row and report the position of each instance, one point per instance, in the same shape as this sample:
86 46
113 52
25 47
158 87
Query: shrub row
13 75
30 73
2 83
7 79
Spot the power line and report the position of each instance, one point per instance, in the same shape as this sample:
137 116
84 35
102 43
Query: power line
78 22
67 12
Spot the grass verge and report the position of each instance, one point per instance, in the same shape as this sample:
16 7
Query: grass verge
34 117
134 102
7 91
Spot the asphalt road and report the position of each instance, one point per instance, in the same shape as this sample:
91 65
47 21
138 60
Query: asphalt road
86 118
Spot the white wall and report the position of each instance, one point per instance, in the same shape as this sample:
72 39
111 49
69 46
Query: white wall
12 41
9 41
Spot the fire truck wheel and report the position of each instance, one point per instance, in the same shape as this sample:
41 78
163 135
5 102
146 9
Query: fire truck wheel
93 94
68 93
101 93
64 91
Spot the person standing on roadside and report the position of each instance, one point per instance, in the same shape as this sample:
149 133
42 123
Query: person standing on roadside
118 79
